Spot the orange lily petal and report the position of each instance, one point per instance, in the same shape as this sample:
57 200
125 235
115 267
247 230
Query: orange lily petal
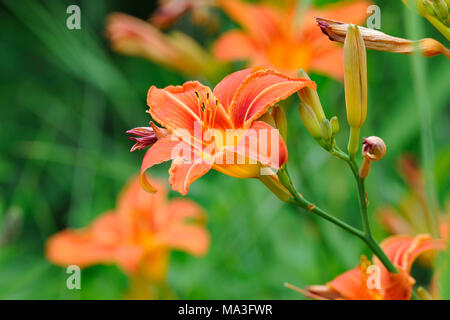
183 174
403 251
264 144
399 286
179 107
350 12
183 209
176 107
329 63
136 205
132 36
160 152
234 45
262 22
189 238
259 91
349 285
225 89
85 247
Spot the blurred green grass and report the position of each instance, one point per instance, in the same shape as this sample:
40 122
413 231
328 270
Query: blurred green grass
66 101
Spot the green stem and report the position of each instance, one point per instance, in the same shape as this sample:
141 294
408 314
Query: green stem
353 141
369 239
366 235
305 204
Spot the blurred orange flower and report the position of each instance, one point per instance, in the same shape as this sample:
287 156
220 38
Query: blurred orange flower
360 284
138 235
176 50
169 11
219 129
282 40
412 215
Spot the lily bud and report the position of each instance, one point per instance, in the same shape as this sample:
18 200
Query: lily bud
334 125
311 97
373 148
423 294
355 84
279 116
439 7
428 8
268 118
325 130
355 77
309 119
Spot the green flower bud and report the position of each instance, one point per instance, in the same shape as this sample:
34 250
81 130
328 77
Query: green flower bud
334 125
309 119
279 116
355 77
325 130
441 9
311 97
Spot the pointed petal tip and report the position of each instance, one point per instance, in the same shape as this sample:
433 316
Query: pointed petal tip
145 184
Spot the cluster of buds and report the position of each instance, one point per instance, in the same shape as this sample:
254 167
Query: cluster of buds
373 149
313 117
436 8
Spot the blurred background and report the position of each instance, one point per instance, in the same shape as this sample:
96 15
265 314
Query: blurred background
67 99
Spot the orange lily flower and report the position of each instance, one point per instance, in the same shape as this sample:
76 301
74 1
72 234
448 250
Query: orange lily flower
176 50
357 283
138 235
281 40
219 129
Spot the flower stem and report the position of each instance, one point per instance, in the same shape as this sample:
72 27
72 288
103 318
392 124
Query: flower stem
366 234
353 141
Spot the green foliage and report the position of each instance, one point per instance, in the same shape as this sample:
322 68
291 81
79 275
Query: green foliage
66 101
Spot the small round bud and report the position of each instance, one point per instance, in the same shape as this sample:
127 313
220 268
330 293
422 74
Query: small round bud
326 130
374 148
334 125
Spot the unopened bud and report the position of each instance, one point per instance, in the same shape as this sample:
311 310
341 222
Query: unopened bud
423 294
355 77
374 148
279 116
309 119
441 9
325 130
334 125
267 118
311 97
428 6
